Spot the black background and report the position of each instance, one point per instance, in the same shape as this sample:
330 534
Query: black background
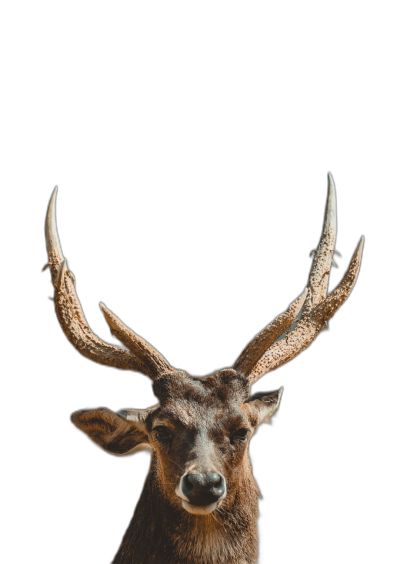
191 213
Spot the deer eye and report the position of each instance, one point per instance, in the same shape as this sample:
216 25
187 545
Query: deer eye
162 432
239 435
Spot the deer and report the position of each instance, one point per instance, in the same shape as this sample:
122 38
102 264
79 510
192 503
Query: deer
199 504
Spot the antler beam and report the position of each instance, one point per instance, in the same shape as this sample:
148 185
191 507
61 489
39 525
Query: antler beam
141 356
261 342
316 308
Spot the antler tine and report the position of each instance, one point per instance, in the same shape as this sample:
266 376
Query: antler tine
263 340
52 241
137 345
310 324
317 308
141 357
321 266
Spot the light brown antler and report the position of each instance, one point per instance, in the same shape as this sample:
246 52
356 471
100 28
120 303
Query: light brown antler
267 351
267 337
141 356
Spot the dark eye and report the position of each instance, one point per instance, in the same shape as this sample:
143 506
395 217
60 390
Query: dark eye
239 435
162 432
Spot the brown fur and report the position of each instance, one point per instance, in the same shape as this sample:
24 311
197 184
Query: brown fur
202 416
201 426
161 533
225 536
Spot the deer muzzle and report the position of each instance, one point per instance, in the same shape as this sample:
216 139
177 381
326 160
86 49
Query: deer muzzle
201 493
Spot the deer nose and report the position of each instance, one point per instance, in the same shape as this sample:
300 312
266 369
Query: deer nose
203 489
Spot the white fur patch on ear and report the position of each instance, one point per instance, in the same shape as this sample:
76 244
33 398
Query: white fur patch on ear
137 416
266 404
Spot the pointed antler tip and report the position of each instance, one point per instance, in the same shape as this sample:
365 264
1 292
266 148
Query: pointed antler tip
361 242
360 246
331 183
108 315
54 194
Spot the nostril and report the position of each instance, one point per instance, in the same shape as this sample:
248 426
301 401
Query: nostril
206 481
192 478
213 479
202 487
187 485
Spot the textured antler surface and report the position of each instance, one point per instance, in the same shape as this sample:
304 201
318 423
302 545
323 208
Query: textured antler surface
264 353
249 357
267 351
141 356
310 324
153 361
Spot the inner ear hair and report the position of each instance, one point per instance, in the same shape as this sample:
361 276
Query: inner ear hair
266 404
271 395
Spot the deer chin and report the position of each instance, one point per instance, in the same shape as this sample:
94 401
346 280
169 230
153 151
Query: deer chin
199 509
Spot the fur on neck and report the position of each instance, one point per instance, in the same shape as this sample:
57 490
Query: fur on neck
162 532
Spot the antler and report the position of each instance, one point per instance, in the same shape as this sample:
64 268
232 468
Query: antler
267 351
140 356
261 342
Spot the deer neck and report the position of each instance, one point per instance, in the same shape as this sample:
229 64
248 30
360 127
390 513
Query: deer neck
162 533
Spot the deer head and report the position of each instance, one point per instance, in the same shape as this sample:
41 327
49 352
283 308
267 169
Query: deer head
200 429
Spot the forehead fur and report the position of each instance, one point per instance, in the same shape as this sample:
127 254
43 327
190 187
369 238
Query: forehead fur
222 386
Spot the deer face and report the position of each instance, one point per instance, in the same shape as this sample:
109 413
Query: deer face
201 428
199 434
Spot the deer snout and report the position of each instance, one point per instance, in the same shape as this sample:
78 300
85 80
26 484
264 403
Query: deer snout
202 491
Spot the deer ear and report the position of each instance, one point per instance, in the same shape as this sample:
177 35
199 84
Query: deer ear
265 404
112 431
